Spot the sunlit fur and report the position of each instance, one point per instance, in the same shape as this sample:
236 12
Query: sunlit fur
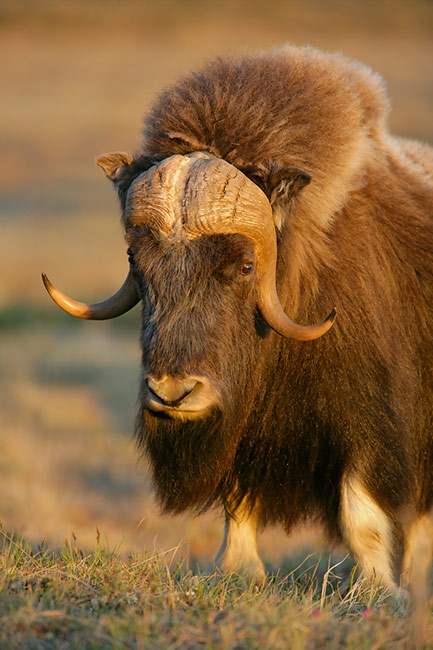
367 530
238 552
417 557
296 421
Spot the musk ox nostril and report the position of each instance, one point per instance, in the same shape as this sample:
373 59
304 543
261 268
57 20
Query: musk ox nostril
184 397
172 390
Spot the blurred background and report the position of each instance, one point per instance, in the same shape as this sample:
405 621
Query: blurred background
76 79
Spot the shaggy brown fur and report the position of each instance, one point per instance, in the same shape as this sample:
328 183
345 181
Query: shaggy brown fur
296 418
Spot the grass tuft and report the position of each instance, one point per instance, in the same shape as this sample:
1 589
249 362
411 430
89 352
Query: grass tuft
69 597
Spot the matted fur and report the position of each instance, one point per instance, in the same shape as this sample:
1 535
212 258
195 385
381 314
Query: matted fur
295 418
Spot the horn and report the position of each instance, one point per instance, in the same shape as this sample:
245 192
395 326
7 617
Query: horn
230 203
118 304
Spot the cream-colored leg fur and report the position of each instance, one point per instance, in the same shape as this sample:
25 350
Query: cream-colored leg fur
417 557
238 552
368 532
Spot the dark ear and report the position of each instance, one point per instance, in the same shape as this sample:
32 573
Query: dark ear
279 182
283 183
113 164
122 168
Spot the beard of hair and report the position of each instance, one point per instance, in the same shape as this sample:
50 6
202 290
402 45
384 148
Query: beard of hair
191 460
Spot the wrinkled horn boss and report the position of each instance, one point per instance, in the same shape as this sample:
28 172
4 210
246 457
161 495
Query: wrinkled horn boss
201 194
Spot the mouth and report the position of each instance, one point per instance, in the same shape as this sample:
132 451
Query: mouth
192 405
171 404
178 413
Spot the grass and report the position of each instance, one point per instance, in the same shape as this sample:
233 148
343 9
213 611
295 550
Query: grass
70 598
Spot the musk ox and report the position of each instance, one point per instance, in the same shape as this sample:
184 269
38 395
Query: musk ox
269 188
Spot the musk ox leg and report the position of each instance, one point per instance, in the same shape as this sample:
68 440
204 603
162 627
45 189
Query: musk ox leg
368 532
418 554
238 552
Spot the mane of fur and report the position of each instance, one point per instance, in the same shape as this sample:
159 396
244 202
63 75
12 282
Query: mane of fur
296 106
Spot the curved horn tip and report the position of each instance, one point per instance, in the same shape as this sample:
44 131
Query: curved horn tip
332 316
329 320
119 303
73 307
45 280
313 332
47 284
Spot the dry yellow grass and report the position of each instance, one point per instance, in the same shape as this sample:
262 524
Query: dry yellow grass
83 600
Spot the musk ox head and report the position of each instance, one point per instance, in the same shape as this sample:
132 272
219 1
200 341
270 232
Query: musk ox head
202 250
203 253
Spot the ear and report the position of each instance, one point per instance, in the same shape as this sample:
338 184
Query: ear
113 164
284 183
279 182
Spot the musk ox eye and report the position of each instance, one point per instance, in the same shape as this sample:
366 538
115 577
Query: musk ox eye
246 268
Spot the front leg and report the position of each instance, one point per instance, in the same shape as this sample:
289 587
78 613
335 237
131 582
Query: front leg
238 552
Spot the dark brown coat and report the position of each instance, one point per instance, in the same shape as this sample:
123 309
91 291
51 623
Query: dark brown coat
298 420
